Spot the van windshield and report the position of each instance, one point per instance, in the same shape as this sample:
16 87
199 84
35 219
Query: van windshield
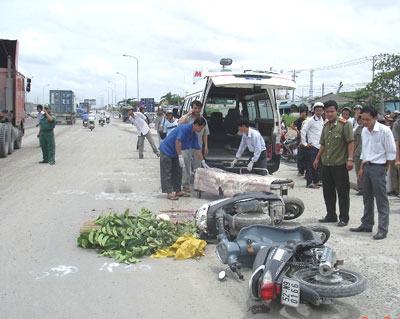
220 105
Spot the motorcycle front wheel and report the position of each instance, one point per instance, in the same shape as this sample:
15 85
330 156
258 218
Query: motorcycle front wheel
294 207
344 283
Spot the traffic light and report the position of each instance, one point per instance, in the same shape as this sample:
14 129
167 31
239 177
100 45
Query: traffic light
28 85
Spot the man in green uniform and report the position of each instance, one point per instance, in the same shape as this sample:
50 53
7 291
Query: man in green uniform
336 153
46 137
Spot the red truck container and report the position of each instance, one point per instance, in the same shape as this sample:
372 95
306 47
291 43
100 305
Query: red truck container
12 98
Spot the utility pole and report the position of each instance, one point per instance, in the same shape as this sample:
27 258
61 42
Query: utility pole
311 91
322 89
294 79
373 66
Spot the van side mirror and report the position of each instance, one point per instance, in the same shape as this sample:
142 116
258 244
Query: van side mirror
225 61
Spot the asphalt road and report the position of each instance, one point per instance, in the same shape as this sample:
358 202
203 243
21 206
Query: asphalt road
45 275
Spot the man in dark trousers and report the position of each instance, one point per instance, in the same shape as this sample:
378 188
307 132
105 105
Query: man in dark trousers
378 151
183 137
301 151
46 137
336 153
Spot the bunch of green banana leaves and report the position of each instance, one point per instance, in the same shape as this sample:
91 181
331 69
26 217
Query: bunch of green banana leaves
127 237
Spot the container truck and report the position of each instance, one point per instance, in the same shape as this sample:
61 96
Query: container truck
62 104
12 98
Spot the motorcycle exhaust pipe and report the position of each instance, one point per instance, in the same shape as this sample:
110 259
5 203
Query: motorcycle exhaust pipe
328 261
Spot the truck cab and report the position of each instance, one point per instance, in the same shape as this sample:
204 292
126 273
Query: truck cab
227 95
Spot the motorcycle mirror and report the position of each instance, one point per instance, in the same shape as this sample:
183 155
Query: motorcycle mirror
222 275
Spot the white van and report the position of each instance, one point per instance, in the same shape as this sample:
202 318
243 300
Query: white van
226 95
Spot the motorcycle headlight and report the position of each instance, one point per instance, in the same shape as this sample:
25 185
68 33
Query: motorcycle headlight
201 217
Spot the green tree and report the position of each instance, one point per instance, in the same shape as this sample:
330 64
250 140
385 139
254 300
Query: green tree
386 82
172 99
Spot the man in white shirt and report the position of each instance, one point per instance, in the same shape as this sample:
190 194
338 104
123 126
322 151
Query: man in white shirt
310 135
169 122
254 142
378 151
139 121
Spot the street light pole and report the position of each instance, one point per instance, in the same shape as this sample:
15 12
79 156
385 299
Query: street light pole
125 77
137 74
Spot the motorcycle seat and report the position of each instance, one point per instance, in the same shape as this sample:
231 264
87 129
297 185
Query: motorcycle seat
264 234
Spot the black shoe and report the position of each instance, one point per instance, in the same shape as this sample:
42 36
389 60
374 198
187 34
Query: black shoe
361 229
327 220
342 224
379 235
43 162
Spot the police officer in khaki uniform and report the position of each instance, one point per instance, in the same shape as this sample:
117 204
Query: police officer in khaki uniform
336 153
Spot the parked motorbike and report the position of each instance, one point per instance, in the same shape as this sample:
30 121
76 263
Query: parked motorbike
85 123
290 265
91 125
101 122
246 209
289 149
108 120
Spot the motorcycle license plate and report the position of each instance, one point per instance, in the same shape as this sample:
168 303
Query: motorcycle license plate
290 295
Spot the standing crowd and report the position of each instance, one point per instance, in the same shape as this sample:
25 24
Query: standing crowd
331 145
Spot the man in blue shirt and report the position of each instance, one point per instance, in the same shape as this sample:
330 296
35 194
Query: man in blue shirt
182 138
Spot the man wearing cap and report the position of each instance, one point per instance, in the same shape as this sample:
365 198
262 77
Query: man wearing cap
336 154
169 123
191 162
46 137
139 121
310 136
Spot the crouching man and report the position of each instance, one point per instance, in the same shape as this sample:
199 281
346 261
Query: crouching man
254 142
182 138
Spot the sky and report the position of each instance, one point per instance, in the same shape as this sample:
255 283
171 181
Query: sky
78 45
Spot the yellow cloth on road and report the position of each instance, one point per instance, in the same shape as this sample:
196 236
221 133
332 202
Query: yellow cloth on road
184 247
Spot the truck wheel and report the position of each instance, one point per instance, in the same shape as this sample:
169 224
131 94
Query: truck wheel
4 142
18 140
12 138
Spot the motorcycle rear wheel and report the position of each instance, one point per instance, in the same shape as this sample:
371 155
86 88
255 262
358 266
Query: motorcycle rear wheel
351 285
294 207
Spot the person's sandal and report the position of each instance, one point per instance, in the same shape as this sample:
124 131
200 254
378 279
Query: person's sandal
172 196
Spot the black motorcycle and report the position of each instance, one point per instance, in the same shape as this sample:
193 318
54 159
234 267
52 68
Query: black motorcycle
247 209
290 266
101 122
107 120
289 149
85 123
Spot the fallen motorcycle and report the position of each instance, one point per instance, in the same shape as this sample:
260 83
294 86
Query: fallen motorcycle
290 266
246 209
